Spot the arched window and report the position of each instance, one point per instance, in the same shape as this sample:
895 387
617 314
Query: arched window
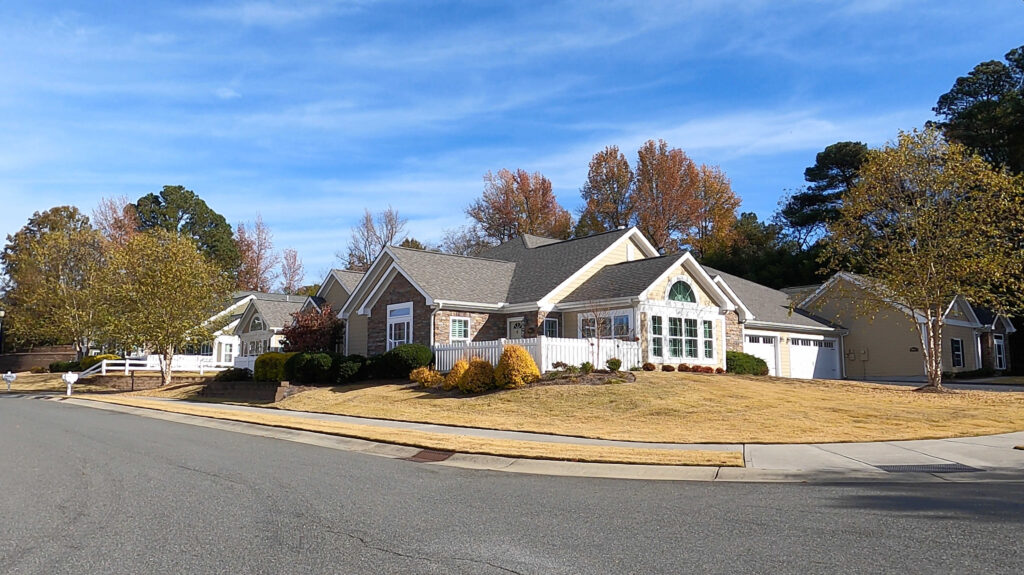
681 291
256 324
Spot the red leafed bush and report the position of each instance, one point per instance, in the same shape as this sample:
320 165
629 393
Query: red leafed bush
649 366
685 367
668 368
719 370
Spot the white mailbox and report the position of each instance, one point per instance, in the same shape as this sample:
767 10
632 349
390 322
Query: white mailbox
9 378
70 379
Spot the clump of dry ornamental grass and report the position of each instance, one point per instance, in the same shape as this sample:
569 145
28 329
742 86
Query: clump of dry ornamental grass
693 408
455 443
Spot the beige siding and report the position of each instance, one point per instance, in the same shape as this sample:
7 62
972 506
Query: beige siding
570 325
615 256
876 348
659 289
970 340
336 296
357 334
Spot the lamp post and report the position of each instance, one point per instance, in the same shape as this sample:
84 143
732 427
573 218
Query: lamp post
2 314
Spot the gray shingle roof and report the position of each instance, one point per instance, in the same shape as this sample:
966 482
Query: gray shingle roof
277 313
767 304
347 278
458 278
622 280
542 263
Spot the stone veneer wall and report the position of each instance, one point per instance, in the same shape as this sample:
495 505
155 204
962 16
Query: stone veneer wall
733 332
398 291
482 326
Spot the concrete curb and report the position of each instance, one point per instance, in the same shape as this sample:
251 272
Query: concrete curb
568 468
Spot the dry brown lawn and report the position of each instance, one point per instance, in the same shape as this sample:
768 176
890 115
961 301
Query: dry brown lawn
693 408
447 442
44 382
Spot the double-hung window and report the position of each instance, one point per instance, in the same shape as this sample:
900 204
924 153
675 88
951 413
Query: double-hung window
956 348
657 336
399 324
690 333
458 331
550 327
675 337
709 339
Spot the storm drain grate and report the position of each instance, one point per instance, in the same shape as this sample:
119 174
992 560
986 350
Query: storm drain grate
928 468
430 456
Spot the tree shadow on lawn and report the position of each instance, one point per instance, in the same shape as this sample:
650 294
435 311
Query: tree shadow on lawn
993 502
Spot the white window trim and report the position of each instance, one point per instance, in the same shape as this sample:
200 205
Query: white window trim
544 326
510 321
610 315
406 319
688 281
999 341
952 353
451 329
663 336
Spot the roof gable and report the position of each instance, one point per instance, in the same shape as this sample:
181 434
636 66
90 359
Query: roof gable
768 305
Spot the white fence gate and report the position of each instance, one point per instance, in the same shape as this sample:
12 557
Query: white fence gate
546 351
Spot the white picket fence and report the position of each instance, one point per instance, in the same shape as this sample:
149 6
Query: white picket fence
546 351
199 363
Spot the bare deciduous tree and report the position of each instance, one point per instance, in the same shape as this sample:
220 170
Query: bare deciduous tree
258 259
372 235
116 219
292 271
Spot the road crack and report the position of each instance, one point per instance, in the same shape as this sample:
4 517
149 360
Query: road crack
369 545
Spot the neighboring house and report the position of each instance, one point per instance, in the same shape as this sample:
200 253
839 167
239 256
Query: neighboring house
334 291
610 293
259 327
887 344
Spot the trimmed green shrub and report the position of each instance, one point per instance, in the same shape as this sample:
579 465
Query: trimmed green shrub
270 366
400 361
234 374
744 363
314 368
87 362
614 364
516 368
586 367
345 371
65 366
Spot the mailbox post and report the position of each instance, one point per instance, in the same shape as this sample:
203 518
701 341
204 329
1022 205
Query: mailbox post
9 378
70 379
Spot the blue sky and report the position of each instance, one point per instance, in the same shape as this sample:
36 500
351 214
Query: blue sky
307 112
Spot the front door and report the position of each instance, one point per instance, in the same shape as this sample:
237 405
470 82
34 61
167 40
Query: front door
515 328
1000 352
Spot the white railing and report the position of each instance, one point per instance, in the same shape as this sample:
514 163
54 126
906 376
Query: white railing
546 351
199 363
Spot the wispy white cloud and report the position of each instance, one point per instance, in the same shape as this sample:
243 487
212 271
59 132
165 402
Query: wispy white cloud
276 13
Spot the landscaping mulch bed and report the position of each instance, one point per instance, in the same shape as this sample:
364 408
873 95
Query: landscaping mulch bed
596 377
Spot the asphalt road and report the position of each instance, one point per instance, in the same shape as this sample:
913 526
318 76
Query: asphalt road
90 491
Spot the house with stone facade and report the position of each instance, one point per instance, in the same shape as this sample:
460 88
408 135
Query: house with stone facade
605 295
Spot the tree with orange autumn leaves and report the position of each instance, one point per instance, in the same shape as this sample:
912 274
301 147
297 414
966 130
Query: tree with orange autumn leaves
674 202
517 203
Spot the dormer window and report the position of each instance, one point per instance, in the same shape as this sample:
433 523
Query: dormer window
256 324
681 291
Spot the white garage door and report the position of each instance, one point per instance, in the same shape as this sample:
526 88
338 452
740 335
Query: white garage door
762 346
813 358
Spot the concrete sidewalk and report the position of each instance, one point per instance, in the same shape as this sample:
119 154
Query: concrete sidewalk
987 458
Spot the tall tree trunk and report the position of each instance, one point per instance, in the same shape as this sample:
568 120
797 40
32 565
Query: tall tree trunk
931 347
165 367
